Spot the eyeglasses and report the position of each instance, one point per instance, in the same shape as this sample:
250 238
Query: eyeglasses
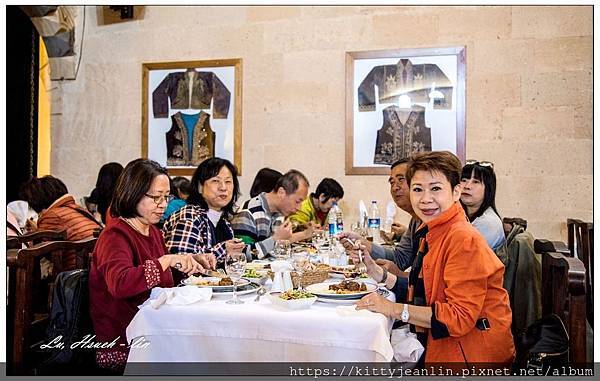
480 163
159 199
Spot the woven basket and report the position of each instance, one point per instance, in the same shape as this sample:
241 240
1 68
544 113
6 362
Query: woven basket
309 277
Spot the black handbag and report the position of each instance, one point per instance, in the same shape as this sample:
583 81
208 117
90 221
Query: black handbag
544 344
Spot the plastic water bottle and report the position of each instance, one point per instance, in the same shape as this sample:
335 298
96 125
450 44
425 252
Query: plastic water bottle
336 220
374 222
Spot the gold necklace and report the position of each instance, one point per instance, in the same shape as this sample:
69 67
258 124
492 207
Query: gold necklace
133 226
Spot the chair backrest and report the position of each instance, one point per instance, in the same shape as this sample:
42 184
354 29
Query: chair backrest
564 293
34 238
581 246
27 316
509 222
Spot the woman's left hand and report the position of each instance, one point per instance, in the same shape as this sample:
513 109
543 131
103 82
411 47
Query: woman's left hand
376 303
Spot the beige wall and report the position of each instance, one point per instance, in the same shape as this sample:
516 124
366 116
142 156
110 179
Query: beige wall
529 93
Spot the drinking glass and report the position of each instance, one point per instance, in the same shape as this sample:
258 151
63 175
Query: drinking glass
235 265
282 249
319 239
299 261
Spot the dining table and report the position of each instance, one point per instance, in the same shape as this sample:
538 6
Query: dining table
212 331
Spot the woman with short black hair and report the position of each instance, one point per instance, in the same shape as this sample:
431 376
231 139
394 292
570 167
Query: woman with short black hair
202 226
129 258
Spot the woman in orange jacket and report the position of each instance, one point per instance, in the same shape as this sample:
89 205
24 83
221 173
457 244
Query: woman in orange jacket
455 300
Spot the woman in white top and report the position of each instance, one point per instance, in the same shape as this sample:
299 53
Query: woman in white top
478 199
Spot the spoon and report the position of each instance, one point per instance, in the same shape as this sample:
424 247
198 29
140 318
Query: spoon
260 292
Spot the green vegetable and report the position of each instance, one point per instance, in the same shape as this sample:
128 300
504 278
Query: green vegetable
296 294
251 273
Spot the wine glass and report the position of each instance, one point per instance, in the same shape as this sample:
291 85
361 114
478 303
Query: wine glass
299 261
235 265
319 239
282 249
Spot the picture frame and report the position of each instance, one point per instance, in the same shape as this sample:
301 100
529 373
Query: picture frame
403 101
191 111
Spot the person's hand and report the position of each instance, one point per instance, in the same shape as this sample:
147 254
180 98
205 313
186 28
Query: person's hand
234 246
305 234
30 225
350 239
182 262
391 267
207 261
376 303
284 231
398 229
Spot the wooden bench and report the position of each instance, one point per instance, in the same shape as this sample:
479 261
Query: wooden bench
34 238
581 245
26 321
564 293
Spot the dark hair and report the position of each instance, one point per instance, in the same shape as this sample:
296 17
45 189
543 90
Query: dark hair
290 181
329 188
487 176
442 161
399 161
207 169
180 184
105 186
264 181
132 186
41 192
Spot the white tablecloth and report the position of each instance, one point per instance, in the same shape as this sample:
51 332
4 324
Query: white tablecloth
218 332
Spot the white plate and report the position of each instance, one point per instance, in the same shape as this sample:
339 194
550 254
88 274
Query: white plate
258 264
322 291
346 302
190 281
341 269
243 290
293 304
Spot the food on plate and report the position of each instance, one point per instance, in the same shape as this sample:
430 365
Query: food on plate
348 287
296 294
199 281
251 273
225 282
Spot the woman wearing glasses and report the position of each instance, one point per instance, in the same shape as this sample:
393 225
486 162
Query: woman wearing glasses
202 226
478 199
129 258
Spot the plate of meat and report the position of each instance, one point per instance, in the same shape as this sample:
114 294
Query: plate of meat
346 289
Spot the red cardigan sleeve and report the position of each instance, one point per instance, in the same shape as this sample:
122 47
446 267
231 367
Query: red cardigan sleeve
115 261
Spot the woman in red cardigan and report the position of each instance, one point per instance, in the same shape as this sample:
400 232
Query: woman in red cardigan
455 301
129 258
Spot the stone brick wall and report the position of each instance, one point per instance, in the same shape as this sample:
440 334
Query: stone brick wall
529 93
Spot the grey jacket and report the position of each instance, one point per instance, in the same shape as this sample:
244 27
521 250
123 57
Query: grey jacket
403 254
522 278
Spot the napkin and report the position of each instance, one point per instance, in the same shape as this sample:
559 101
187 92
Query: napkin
282 280
178 296
406 346
362 212
351 311
22 212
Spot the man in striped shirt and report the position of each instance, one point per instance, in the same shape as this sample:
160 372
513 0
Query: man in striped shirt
262 220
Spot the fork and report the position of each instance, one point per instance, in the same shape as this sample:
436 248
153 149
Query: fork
361 267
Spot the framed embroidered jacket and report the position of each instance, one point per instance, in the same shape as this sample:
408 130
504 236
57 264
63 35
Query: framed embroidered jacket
192 111
403 101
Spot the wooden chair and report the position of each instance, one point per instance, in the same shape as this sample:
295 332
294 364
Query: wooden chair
581 245
27 321
35 238
564 293
509 222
